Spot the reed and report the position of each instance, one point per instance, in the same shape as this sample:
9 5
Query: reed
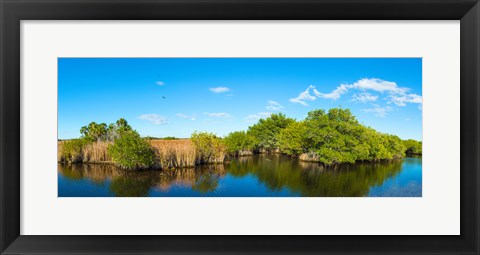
174 153
169 154
96 153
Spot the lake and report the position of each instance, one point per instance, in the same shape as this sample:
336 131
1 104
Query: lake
251 176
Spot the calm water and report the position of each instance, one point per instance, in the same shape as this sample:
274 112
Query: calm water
254 176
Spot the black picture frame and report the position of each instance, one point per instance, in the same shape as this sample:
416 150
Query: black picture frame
13 11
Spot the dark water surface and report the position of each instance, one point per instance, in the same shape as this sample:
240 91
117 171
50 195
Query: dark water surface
253 176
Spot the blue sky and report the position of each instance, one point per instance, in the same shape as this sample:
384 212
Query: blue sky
176 96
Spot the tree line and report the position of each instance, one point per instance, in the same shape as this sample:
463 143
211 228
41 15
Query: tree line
329 138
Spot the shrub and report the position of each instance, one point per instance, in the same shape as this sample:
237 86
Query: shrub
292 139
131 152
238 141
412 146
265 131
71 151
209 147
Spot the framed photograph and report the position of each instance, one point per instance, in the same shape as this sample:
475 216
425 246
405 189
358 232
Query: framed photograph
239 127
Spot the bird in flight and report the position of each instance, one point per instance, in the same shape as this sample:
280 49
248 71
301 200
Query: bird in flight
163 97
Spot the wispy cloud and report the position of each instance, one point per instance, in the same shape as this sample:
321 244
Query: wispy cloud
257 116
156 119
379 111
185 116
160 83
402 100
219 90
364 97
273 106
304 96
335 94
217 114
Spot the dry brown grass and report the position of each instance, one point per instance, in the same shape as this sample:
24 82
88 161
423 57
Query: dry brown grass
169 153
174 153
88 153
96 153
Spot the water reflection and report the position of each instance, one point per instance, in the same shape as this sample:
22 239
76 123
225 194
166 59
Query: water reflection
259 175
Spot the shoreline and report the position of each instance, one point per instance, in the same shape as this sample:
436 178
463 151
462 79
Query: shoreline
228 161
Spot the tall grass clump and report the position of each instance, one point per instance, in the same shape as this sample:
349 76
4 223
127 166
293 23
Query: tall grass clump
209 147
129 151
96 152
174 153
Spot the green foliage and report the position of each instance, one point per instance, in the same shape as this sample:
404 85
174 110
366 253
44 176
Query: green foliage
237 141
121 126
151 138
170 138
71 150
131 152
293 139
94 131
337 137
265 132
412 146
101 132
159 138
209 147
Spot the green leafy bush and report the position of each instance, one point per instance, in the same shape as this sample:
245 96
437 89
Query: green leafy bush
293 139
238 141
131 152
265 131
412 146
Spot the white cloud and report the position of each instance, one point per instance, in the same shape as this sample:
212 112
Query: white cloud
378 85
257 116
397 95
273 106
379 111
303 97
402 100
185 116
335 94
364 97
160 83
156 119
217 114
219 90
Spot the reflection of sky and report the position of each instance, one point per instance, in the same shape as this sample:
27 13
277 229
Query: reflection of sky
228 186
82 188
408 183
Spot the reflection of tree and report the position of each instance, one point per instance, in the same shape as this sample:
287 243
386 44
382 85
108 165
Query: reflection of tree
276 172
96 173
138 183
207 179
312 179
126 186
